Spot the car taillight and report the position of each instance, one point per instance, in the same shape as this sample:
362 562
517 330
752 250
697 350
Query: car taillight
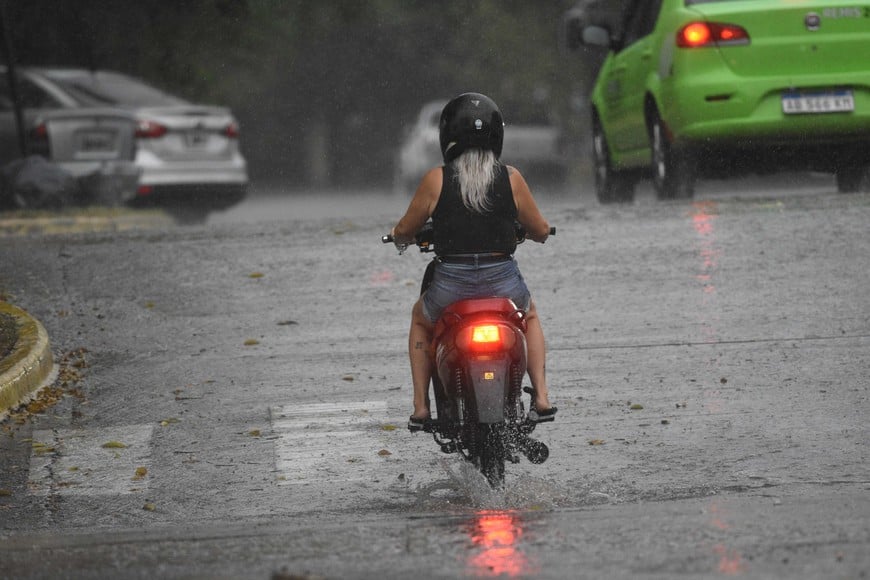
701 34
232 131
40 132
146 129
37 142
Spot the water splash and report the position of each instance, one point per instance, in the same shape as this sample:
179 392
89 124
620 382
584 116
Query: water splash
465 486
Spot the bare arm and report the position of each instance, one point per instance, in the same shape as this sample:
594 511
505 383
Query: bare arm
422 205
529 216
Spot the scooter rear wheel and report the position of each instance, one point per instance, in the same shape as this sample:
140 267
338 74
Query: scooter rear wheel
490 458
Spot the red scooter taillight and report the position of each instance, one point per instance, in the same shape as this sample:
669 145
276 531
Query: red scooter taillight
488 334
485 338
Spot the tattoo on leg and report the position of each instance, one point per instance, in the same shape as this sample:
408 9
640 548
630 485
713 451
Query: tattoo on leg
419 346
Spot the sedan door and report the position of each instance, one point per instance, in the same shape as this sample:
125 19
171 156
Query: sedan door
626 81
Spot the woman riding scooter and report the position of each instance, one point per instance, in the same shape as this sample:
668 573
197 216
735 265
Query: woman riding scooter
473 201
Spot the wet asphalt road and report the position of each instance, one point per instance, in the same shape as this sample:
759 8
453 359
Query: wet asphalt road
239 409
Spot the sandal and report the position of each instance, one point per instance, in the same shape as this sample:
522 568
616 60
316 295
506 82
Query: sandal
545 416
416 424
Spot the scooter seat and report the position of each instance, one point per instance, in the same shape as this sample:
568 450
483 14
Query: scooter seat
504 307
474 305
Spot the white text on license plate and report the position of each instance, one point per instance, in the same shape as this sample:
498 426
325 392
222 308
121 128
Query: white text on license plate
825 102
96 141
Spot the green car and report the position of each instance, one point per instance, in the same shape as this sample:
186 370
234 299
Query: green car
716 88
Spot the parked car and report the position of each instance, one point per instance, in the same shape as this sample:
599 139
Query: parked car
93 148
714 88
420 149
534 146
188 154
36 97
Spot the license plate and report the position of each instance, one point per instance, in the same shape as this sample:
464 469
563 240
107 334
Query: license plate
96 141
197 138
818 102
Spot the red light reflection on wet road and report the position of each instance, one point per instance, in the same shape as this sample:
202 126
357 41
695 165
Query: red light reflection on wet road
730 562
495 537
704 214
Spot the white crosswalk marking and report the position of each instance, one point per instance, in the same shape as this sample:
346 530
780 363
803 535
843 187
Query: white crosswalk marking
330 441
108 461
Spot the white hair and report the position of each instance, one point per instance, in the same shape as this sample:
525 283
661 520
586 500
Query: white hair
475 170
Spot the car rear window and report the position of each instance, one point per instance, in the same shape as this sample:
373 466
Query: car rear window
109 88
30 96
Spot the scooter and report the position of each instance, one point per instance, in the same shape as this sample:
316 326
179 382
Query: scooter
480 363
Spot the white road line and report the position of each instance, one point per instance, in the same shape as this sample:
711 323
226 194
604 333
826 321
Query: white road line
109 461
329 442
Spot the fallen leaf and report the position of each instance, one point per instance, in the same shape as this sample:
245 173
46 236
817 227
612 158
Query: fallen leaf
348 378
388 427
256 275
140 473
114 445
40 448
5 492
596 442
252 342
168 421
254 432
636 407
384 453
149 305
149 507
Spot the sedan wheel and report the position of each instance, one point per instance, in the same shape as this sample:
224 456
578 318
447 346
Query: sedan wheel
611 186
673 173
853 178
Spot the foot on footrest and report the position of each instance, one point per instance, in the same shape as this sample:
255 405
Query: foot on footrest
544 416
416 424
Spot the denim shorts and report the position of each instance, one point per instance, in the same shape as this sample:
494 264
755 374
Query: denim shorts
454 282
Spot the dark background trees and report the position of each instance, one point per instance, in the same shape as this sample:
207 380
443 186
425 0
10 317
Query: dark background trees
322 88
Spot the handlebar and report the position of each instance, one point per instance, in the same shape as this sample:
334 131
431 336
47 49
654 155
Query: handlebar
424 237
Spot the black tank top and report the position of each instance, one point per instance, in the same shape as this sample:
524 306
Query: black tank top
459 230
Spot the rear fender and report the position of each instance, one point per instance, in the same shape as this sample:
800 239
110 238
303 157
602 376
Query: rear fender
489 382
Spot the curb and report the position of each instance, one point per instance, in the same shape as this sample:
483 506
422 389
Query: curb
30 363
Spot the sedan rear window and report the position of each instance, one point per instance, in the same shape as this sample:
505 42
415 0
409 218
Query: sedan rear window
109 88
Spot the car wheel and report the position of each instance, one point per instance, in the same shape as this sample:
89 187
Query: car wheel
853 178
611 186
673 172
188 215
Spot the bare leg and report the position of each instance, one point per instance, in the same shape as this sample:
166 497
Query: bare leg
419 351
537 357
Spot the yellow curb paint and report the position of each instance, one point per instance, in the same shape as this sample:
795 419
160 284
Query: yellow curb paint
111 220
29 365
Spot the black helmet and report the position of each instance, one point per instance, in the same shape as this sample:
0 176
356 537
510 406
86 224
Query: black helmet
470 121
